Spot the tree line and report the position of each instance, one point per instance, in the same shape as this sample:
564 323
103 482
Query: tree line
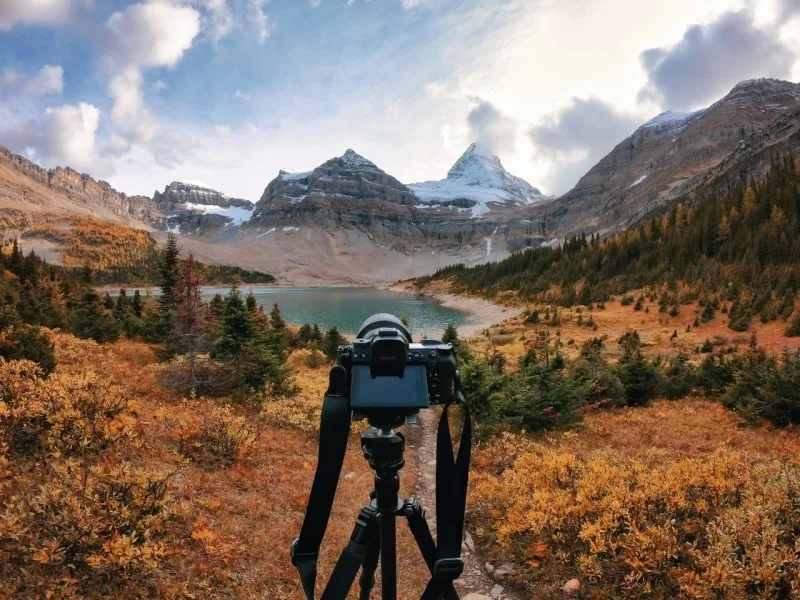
740 245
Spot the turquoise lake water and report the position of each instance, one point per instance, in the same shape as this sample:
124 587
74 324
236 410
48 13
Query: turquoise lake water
348 307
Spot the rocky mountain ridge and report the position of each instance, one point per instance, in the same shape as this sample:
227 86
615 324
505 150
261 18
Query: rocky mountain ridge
86 194
467 210
670 156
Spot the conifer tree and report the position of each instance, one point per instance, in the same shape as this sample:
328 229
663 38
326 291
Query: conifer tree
136 304
333 339
189 336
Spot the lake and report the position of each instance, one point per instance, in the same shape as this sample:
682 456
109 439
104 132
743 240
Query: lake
347 307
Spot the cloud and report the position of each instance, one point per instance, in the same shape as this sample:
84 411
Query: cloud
408 4
155 34
571 140
314 3
710 59
223 130
36 12
128 111
220 18
261 21
789 8
240 95
65 135
492 129
48 80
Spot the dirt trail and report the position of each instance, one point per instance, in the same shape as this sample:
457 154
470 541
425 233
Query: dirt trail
422 440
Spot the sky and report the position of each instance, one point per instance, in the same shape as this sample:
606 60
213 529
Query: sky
227 92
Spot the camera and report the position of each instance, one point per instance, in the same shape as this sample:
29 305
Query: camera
388 372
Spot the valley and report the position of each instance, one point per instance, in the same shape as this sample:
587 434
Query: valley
629 351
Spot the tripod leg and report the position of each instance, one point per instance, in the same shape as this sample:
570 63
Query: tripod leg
352 557
415 515
388 557
367 580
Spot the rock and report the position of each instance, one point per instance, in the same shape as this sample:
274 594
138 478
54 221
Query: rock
474 596
469 542
496 591
503 570
350 475
572 587
489 568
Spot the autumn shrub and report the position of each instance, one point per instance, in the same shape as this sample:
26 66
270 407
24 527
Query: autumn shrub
719 526
302 411
83 531
66 413
212 434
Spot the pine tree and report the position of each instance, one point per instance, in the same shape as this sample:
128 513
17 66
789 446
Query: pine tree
136 304
333 339
189 336
169 275
15 260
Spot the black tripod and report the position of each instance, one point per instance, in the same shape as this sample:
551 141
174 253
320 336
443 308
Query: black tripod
374 536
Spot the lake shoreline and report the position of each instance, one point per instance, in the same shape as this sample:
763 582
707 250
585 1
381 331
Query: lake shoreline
481 313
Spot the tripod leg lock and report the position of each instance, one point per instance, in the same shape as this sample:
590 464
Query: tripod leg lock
448 568
301 555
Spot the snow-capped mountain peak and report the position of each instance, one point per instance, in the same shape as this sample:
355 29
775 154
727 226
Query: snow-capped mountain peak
478 177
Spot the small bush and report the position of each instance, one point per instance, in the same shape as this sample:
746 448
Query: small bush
213 434
85 531
679 378
767 389
28 343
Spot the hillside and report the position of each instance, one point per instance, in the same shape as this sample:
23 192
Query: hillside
742 245
675 154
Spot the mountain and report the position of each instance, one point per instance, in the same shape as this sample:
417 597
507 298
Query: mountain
673 155
28 190
196 209
479 182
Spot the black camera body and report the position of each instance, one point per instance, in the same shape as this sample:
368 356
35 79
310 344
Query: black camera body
387 371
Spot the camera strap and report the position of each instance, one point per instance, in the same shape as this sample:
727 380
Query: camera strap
452 480
334 430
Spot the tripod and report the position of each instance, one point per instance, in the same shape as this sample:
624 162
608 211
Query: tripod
374 535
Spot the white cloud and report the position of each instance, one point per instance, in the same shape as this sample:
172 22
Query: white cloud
128 111
36 12
66 135
220 19
223 130
408 4
260 18
159 85
155 34
314 3
240 95
48 80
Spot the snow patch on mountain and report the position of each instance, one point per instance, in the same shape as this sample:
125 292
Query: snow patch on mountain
236 214
480 178
639 180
